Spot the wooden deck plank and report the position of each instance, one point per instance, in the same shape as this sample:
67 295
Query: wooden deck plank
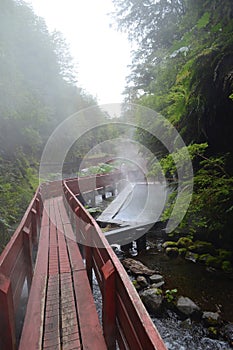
31 337
61 312
91 331
52 314
70 329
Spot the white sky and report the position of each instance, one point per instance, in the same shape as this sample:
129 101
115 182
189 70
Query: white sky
102 54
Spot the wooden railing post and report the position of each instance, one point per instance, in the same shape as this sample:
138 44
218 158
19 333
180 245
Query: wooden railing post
88 252
88 258
7 321
109 305
28 252
34 226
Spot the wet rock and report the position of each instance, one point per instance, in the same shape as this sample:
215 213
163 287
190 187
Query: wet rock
184 242
141 280
226 266
182 252
169 244
186 324
156 278
227 332
211 318
187 307
158 285
191 256
172 252
152 299
214 262
137 268
202 247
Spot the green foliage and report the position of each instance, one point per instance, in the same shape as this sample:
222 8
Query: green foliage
170 295
203 21
211 202
98 169
37 91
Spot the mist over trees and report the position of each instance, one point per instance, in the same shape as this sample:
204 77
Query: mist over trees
38 89
183 68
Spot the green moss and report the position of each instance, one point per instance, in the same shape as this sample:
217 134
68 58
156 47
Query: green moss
213 261
225 254
202 247
203 21
203 258
213 332
226 266
184 242
182 251
169 244
172 252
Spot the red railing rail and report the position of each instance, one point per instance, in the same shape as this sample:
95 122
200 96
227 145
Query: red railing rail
125 319
16 266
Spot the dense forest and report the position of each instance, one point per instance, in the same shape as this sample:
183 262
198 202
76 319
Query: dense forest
183 68
38 89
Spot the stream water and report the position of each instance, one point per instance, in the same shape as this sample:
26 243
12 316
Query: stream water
211 291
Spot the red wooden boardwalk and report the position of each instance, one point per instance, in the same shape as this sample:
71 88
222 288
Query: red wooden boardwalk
61 312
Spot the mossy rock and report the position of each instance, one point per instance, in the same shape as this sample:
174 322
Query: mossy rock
182 252
184 242
202 247
172 252
169 244
203 258
214 261
136 285
226 266
194 257
225 254
213 332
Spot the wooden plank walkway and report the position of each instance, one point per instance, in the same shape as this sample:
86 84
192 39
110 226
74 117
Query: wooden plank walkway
61 313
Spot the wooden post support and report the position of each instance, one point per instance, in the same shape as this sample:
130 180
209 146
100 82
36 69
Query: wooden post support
34 226
28 252
109 305
141 243
7 317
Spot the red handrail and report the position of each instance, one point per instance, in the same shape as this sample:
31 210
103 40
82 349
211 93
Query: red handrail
16 265
125 318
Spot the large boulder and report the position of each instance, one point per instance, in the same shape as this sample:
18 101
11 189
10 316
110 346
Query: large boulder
137 268
152 299
187 307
